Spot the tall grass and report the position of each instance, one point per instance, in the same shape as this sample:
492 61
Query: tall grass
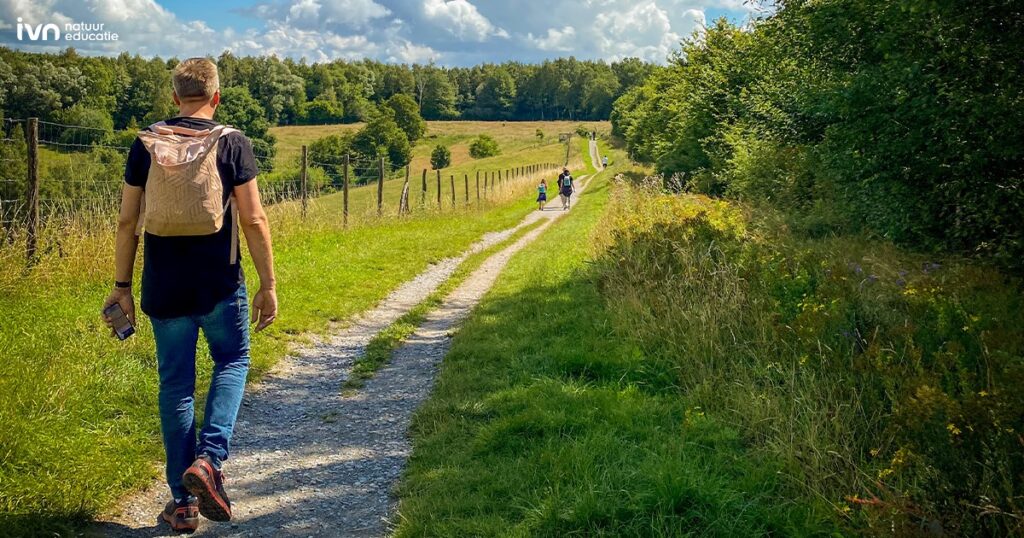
888 384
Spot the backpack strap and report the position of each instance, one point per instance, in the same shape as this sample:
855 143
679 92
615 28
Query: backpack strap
233 257
142 215
161 127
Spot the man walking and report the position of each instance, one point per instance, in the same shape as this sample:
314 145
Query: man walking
192 183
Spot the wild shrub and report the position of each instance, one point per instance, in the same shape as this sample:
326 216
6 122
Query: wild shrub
286 184
888 382
328 152
484 146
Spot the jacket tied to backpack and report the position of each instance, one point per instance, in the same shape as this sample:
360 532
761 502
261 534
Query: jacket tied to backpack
184 192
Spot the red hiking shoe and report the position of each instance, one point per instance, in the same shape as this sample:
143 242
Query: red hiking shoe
206 482
182 516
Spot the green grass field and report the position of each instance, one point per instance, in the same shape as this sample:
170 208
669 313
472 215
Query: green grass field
544 423
519 145
78 409
513 137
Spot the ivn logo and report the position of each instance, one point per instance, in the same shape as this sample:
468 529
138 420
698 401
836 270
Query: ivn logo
37 32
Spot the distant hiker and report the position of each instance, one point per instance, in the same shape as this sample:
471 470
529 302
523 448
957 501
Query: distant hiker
604 162
542 194
190 201
565 188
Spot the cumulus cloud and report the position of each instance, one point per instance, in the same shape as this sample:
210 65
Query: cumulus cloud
388 30
323 14
407 52
461 18
314 29
643 29
560 40
143 26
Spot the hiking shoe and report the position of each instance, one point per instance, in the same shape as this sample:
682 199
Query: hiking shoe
182 516
206 482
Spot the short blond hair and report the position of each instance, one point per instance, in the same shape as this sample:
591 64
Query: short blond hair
195 79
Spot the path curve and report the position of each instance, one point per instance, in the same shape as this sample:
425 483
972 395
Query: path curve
308 461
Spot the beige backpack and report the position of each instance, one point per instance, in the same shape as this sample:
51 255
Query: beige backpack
184 192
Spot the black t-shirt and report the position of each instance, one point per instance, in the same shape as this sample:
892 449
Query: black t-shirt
189 275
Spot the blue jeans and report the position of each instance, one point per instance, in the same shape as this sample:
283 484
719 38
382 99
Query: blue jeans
226 329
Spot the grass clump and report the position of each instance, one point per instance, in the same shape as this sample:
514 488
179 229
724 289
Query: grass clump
379 350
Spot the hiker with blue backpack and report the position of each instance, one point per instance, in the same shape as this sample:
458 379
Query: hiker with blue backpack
565 188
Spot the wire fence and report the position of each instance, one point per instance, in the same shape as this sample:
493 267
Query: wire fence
54 176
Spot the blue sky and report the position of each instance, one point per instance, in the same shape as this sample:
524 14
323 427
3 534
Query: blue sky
448 32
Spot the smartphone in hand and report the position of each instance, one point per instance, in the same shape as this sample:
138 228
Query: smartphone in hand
122 326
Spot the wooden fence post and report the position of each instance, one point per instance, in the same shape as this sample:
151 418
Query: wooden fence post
380 186
451 179
344 191
439 189
32 193
466 179
423 195
478 186
344 186
403 201
303 180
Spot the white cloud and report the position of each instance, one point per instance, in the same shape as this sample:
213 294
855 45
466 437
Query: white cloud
143 26
560 40
351 29
305 28
643 29
407 52
461 18
323 13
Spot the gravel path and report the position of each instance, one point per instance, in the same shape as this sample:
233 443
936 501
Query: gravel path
308 461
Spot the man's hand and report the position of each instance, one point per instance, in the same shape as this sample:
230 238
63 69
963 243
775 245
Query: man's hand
123 297
264 308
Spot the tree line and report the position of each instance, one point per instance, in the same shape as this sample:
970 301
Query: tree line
899 119
126 91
